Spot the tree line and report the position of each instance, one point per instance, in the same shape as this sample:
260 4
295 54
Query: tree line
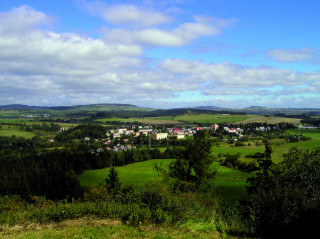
27 170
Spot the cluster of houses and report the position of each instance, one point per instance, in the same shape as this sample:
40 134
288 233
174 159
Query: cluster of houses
234 131
177 133
124 133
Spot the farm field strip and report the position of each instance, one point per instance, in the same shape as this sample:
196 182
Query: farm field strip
204 118
211 118
313 133
17 133
143 120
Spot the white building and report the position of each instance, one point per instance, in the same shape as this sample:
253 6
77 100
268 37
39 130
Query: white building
158 136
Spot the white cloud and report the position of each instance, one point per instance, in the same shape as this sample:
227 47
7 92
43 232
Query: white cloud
127 14
21 19
230 75
179 36
294 55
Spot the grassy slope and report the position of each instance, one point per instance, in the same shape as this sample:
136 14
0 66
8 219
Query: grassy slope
89 228
230 183
8 130
137 174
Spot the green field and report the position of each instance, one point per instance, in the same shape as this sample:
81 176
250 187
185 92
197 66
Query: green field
137 174
18 133
230 184
211 118
143 120
313 133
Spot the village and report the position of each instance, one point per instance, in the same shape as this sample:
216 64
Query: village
129 137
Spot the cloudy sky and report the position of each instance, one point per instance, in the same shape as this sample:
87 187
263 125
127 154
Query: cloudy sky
160 54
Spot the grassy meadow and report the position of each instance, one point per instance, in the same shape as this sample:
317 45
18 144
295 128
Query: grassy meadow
137 174
17 133
8 130
230 184
211 118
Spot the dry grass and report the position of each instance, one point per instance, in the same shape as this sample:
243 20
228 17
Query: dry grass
106 228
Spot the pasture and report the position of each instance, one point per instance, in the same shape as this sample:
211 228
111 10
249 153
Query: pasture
17 133
230 184
137 174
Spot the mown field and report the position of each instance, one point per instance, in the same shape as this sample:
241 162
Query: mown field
143 120
17 133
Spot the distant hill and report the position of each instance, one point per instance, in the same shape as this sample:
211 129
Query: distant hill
75 108
128 110
264 110
17 107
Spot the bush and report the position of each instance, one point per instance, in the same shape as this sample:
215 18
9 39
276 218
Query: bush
239 144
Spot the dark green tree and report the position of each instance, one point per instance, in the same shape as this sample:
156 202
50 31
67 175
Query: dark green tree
194 164
266 162
112 181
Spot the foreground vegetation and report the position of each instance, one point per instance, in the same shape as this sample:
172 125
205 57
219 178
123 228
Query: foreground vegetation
105 228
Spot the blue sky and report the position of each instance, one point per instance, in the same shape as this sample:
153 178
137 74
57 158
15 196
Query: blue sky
160 54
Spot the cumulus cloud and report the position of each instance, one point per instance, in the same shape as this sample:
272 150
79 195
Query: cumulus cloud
177 37
127 14
231 79
294 55
22 19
